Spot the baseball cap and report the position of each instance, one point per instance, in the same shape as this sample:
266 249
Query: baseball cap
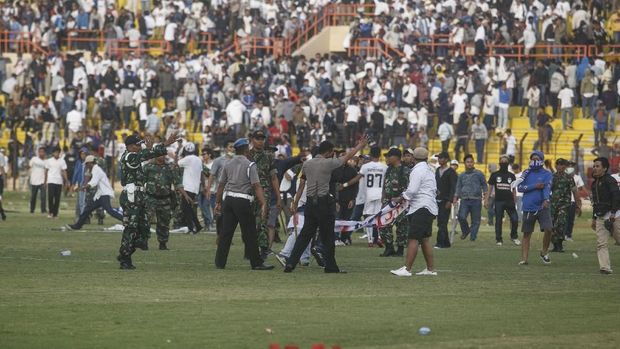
241 142
561 161
394 152
420 153
258 134
89 158
189 147
133 139
409 151
454 162
443 155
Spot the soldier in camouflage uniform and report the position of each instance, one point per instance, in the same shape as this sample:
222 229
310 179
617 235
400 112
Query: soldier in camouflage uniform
133 200
396 181
561 188
161 180
267 173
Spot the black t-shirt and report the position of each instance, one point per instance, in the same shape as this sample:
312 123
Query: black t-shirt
501 182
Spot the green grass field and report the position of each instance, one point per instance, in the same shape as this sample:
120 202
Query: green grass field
177 299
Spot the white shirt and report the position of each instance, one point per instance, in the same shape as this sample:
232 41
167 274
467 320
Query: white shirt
100 181
372 182
234 111
74 120
511 145
516 183
579 183
37 171
422 189
353 113
192 171
566 98
170 30
54 169
459 104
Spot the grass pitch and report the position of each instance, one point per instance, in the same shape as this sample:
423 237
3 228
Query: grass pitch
177 299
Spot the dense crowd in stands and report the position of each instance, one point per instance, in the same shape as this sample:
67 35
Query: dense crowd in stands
403 101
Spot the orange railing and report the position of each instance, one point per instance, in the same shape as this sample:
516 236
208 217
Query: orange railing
120 47
84 39
259 46
206 43
540 51
16 42
373 47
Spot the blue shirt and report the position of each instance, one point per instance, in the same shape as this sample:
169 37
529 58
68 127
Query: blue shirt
504 96
533 197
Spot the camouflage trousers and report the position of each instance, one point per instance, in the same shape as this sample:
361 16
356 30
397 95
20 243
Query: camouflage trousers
559 217
160 211
401 224
136 222
261 223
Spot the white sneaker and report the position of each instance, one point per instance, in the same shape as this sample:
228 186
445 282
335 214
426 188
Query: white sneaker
401 272
523 263
516 242
364 236
499 243
567 238
339 243
427 272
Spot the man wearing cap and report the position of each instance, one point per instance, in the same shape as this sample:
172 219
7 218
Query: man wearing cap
562 188
421 195
234 202
396 181
132 199
320 211
535 184
446 178
213 181
500 187
103 195
162 179
268 176
191 165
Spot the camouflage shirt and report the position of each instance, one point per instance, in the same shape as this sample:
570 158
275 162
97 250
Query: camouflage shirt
131 164
396 181
161 180
561 188
266 166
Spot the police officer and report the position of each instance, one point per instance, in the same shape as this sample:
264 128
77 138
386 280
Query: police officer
161 181
239 177
267 174
133 198
396 181
320 206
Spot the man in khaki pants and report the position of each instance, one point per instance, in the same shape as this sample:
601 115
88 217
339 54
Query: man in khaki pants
605 202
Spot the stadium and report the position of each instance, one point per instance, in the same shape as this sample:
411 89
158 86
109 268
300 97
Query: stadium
247 139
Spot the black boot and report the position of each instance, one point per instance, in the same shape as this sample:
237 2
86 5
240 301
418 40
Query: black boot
126 263
400 251
389 251
162 246
560 247
555 247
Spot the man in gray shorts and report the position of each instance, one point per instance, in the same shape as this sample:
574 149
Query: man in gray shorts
535 184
